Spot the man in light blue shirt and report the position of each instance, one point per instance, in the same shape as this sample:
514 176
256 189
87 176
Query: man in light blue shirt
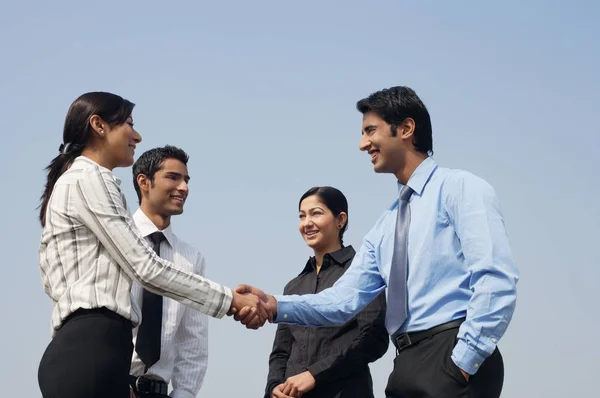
444 257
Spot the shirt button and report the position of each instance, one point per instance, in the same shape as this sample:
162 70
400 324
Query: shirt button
476 365
494 341
284 316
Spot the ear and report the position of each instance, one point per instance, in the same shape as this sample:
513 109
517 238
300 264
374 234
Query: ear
99 126
341 220
143 182
407 128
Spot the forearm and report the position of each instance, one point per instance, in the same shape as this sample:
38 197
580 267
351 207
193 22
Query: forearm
477 217
191 345
338 304
188 375
280 354
488 316
101 209
274 379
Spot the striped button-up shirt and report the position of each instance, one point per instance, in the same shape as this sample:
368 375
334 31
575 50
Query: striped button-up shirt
91 251
184 337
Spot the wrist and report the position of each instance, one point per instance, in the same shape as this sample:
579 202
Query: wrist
273 304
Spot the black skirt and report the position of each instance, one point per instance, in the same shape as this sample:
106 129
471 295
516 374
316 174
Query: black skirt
89 357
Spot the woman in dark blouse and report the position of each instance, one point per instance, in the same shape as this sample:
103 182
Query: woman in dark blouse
326 361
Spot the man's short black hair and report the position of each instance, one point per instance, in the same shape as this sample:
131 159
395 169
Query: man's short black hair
395 104
151 161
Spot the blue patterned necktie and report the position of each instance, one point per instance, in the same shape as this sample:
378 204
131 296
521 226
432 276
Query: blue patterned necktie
397 305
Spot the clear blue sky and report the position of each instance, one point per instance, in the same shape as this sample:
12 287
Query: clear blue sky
262 95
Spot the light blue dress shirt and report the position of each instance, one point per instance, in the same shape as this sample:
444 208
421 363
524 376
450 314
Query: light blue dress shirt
459 265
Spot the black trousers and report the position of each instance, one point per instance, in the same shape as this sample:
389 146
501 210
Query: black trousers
426 370
89 357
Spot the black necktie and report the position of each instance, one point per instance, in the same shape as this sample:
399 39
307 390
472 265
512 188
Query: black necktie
148 338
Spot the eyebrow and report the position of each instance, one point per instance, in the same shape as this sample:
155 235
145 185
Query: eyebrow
313 208
368 128
176 174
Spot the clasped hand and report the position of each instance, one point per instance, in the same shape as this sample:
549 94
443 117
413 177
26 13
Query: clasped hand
252 307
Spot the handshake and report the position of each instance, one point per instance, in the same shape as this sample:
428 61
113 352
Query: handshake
252 307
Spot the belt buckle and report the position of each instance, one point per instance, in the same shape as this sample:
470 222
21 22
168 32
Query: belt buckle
402 342
137 383
151 386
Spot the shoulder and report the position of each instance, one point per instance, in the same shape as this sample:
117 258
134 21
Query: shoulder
90 175
292 286
465 191
86 168
349 255
458 182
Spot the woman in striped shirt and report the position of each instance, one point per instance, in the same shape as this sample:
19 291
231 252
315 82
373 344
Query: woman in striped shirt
91 251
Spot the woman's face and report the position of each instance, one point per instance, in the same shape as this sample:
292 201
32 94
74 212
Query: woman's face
318 226
120 142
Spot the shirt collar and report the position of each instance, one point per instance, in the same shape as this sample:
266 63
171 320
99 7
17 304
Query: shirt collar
85 160
420 176
147 227
339 257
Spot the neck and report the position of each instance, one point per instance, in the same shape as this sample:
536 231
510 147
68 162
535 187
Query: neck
412 161
320 253
97 156
157 219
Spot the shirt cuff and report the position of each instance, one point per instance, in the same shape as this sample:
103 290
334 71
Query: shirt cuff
467 358
181 394
285 310
316 370
226 304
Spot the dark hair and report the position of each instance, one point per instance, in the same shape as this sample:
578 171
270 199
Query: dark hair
151 161
396 104
334 199
77 131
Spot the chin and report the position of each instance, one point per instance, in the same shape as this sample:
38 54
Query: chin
378 169
175 211
311 244
126 162
382 168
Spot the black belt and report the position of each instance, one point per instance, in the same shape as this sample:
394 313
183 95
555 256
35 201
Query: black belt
101 311
404 340
144 385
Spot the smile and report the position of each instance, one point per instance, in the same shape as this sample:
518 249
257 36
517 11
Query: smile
310 234
178 199
374 154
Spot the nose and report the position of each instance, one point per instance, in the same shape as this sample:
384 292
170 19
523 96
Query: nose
364 143
183 187
304 222
137 137
308 221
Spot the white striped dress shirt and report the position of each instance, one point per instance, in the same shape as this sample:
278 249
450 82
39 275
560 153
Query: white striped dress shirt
184 335
91 251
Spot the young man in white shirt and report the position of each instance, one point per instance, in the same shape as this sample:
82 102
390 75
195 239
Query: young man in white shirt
171 344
